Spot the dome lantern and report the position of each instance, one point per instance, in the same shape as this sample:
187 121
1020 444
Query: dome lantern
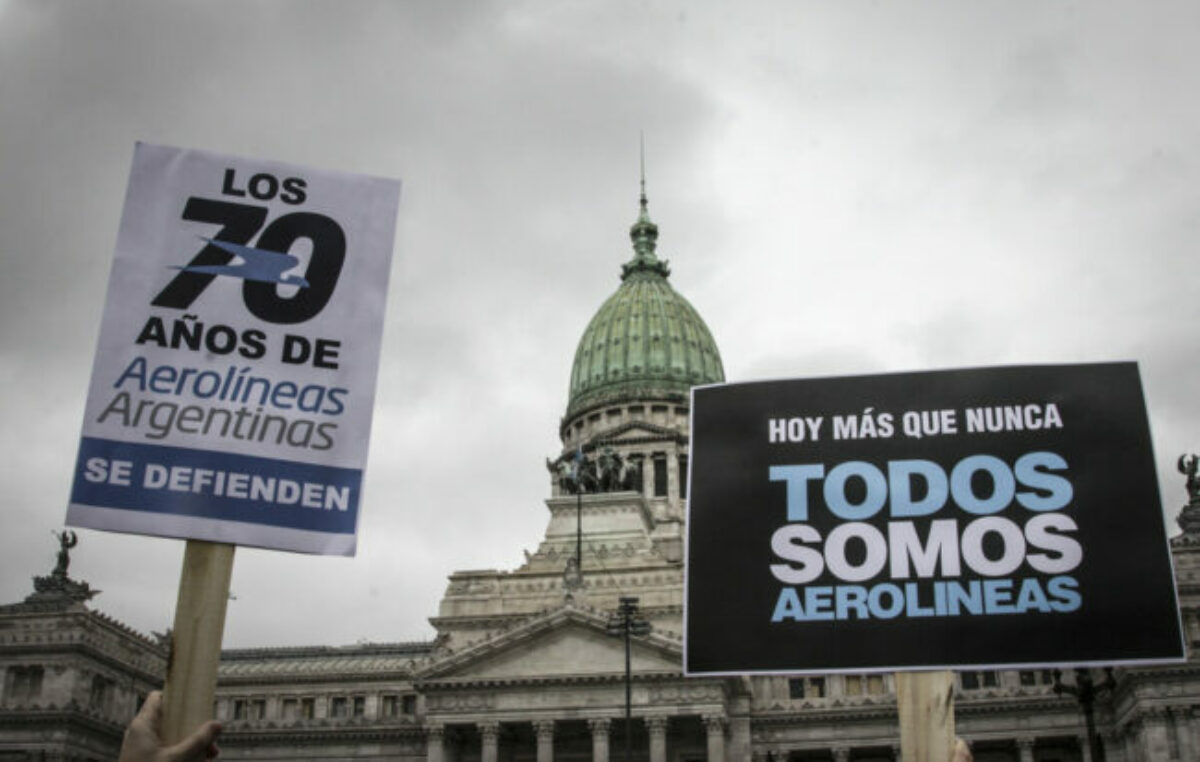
646 343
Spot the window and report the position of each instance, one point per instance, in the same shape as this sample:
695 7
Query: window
290 709
864 685
360 706
660 475
257 709
308 708
806 687
24 683
239 709
1040 677
337 707
102 691
975 680
410 704
389 706
636 461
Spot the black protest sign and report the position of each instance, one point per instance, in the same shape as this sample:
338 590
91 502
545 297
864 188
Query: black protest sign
986 517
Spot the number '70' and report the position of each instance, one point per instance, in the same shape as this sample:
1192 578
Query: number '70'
239 223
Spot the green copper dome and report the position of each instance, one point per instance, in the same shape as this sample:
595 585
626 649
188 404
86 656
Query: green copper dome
646 342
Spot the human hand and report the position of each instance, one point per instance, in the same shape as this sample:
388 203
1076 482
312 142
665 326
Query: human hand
143 738
962 752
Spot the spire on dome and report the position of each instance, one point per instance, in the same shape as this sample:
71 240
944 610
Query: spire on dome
644 235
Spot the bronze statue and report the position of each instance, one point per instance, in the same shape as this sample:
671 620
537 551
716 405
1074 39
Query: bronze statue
610 467
56 587
608 472
66 541
1188 466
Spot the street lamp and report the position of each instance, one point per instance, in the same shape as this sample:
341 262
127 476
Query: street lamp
574 480
1086 692
627 621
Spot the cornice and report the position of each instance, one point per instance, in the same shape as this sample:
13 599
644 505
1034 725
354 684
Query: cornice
1141 674
80 614
476 621
1185 540
533 681
90 651
623 397
319 731
285 679
71 716
506 622
811 714
1010 704
416 647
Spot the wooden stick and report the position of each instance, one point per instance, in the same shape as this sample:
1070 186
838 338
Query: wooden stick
926 704
196 638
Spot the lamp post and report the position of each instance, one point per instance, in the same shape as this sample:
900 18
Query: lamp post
627 621
1086 691
575 479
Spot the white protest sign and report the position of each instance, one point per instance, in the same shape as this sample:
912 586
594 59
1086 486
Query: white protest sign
234 379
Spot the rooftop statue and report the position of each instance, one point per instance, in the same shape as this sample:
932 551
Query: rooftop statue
66 540
1188 465
608 472
57 588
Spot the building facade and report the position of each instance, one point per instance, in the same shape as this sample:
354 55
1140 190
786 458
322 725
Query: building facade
525 665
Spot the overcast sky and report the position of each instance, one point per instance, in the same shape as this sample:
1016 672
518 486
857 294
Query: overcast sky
841 187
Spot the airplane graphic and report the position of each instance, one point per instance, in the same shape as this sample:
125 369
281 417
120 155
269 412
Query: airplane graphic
257 264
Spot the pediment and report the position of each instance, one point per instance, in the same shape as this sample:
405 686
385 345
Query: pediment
564 642
635 431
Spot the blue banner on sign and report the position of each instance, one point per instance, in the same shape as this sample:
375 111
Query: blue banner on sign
216 485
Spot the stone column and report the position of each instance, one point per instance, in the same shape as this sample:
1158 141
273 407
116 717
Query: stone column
1131 751
1025 749
599 729
435 748
1185 734
841 754
1114 749
1085 751
489 736
656 727
1154 734
544 730
452 742
715 727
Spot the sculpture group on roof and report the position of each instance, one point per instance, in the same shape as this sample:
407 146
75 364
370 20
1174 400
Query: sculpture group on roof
57 587
608 472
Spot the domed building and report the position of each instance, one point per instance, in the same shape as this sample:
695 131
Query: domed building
529 664
526 666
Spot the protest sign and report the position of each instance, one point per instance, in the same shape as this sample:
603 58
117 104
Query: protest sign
985 517
234 380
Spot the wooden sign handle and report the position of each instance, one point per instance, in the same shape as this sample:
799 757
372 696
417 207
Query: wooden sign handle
196 638
925 701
